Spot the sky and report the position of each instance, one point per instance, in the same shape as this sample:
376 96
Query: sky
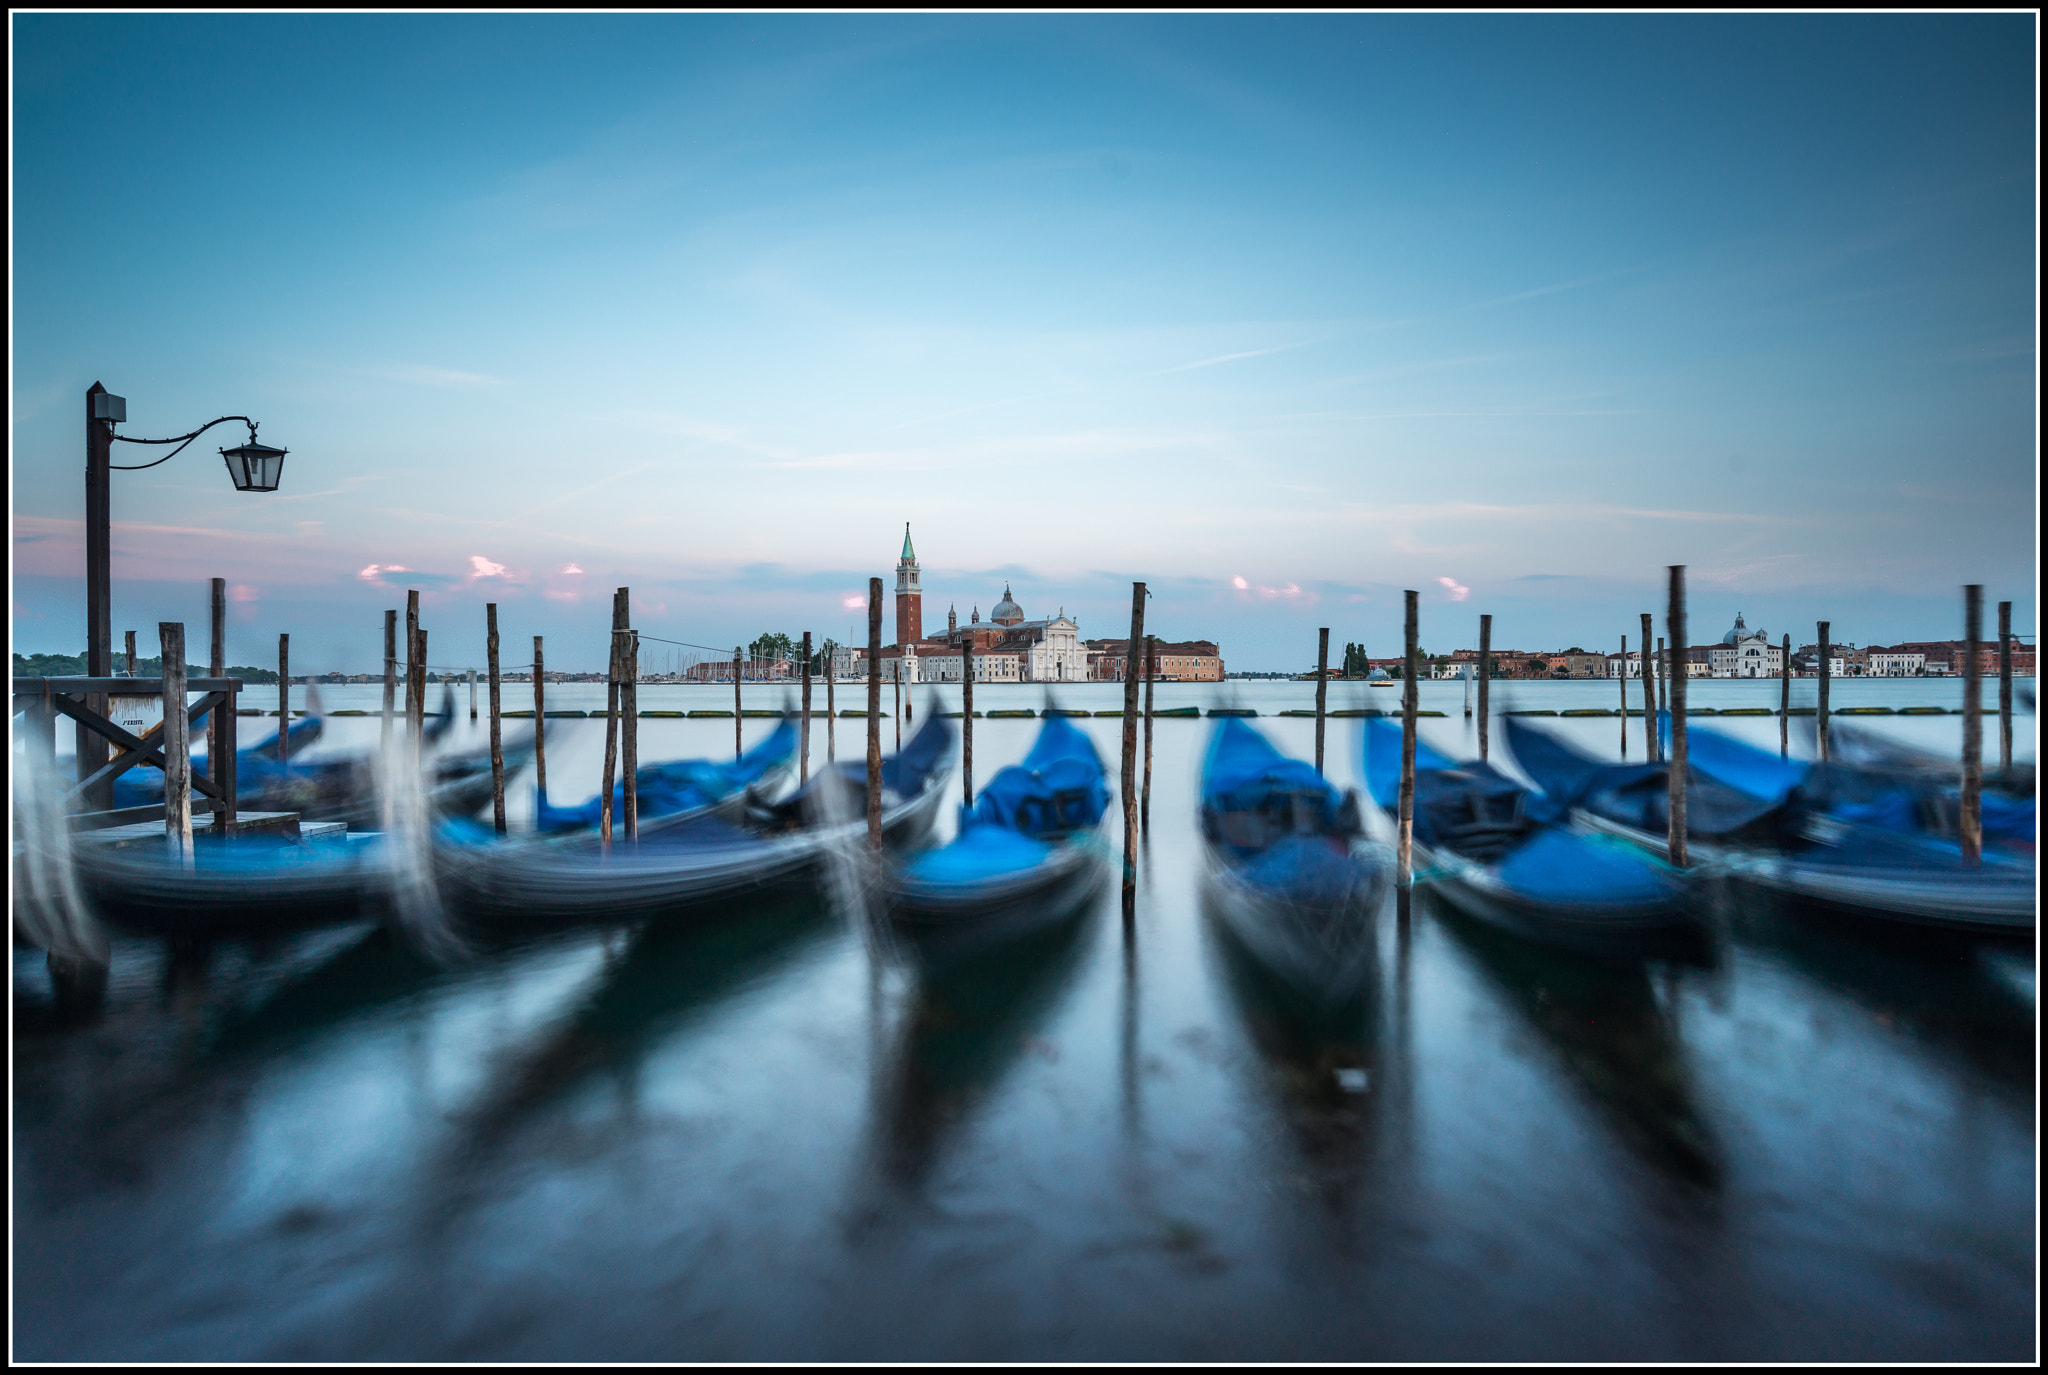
1281 315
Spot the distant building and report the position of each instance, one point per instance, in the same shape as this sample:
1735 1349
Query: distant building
1745 653
1179 661
1890 661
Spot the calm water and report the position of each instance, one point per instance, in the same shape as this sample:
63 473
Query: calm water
771 1137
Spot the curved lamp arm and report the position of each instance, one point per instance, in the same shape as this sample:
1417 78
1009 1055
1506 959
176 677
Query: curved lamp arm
180 440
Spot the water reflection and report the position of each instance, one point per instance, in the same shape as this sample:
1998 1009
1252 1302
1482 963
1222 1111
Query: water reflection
1944 988
1613 1024
964 1026
1324 1063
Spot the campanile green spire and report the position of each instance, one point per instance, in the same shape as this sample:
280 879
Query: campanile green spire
908 552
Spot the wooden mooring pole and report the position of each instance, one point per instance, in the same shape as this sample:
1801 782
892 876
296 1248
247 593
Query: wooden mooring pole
1133 658
1405 854
1151 677
131 651
284 697
177 745
415 676
831 714
803 730
738 671
540 721
1322 688
1623 675
1485 678
1785 700
2005 688
896 709
1970 825
1649 677
874 793
629 728
1820 714
611 718
1674 622
416 719
497 738
472 694
390 682
216 667
967 719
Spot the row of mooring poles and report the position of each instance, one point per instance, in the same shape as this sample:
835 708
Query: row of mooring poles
1151 677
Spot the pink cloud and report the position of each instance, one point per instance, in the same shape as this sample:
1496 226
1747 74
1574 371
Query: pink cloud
482 567
1458 591
243 592
1240 584
850 603
1286 592
375 572
571 568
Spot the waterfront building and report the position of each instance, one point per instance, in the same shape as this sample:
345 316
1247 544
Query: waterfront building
1889 661
1745 653
1180 661
1628 665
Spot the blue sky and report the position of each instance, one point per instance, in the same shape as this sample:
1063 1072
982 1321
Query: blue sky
1280 314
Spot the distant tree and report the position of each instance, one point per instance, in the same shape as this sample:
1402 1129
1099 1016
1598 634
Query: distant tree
774 645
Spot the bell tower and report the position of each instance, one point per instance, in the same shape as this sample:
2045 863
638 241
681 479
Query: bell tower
909 595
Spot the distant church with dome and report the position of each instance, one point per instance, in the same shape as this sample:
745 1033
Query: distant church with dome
1745 653
1008 648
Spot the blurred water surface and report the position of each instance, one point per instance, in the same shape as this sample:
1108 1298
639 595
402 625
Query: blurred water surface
773 1136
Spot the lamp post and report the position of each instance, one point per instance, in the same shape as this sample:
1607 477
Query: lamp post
253 467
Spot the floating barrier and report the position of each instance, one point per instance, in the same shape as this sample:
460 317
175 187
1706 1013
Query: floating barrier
1752 711
1856 711
1530 711
523 715
1014 713
718 712
1177 711
1118 713
1069 711
754 711
1918 711
350 712
657 715
1296 711
576 714
1588 711
1232 711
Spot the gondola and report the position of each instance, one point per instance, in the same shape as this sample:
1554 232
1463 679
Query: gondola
679 787
1783 825
1290 873
712 858
1503 853
1029 852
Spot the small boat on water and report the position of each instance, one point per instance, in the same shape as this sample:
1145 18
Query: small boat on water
1029 852
680 787
1502 853
1817 833
687 864
1291 874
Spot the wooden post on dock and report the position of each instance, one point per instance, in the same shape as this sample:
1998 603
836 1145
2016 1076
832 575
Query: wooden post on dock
390 683
2004 688
177 745
831 713
472 694
1322 688
1663 694
629 728
896 710
1674 622
497 739
1820 716
284 697
1970 825
1405 854
1133 657
967 718
216 667
611 719
540 721
1785 700
418 722
1485 677
738 671
1623 675
1649 677
874 793
803 730
131 650
1151 677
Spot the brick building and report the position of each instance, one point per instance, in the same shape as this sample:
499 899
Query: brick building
1180 661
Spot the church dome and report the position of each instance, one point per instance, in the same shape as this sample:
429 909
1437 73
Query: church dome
1740 632
1006 611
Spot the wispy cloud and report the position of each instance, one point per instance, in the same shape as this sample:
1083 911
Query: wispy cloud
426 375
1227 358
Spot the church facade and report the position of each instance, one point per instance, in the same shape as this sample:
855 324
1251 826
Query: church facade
1745 653
1008 648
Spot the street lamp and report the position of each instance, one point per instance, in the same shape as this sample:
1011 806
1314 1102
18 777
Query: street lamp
254 467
